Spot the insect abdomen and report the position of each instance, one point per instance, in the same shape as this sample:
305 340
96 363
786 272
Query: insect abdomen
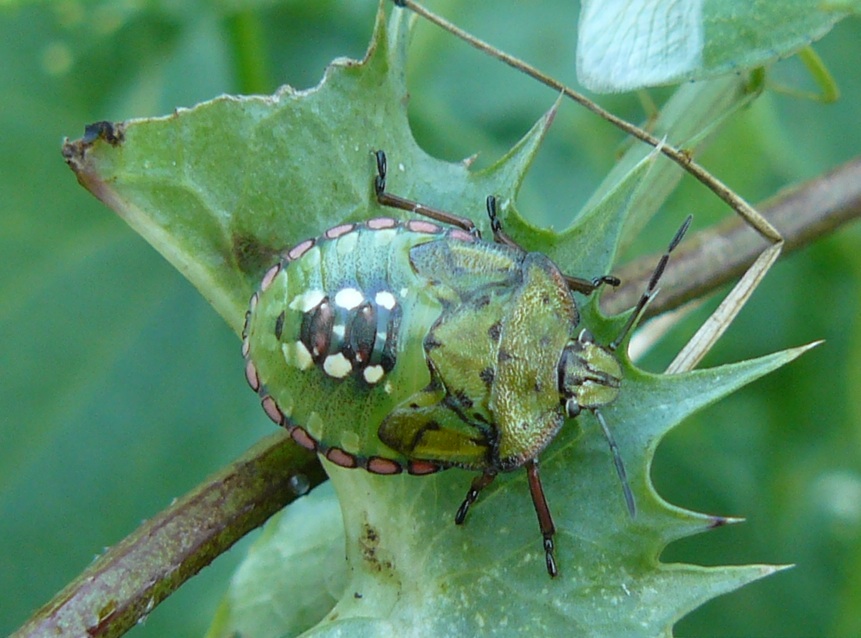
333 339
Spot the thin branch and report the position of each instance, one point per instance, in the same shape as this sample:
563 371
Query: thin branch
136 574
679 156
713 257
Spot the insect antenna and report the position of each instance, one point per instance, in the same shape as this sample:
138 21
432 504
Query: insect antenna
619 463
652 289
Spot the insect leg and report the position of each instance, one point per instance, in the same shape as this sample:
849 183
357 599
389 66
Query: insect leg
585 286
478 484
652 289
545 519
395 201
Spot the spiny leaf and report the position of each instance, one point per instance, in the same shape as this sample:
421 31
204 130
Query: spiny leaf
221 188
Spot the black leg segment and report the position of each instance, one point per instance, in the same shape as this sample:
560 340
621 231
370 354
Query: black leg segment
478 484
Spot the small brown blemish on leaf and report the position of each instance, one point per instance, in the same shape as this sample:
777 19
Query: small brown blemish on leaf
75 151
369 542
252 257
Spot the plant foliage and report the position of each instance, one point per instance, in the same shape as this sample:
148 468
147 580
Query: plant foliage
221 188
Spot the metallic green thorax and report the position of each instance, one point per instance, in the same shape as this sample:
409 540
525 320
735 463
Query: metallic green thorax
390 345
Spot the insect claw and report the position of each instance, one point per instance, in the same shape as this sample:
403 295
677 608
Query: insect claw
478 484
462 511
609 280
549 557
385 198
380 179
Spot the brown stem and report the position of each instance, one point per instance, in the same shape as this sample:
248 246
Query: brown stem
712 257
136 574
679 156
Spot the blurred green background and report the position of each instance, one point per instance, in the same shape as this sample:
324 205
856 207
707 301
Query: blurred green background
121 389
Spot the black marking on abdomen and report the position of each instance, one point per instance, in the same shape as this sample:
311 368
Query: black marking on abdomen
316 330
279 324
353 333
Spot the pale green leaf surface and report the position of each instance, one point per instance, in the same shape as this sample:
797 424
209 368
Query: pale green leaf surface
762 31
412 572
640 44
293 574
221 188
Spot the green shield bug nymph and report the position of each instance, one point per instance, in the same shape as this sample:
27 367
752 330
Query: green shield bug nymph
417 346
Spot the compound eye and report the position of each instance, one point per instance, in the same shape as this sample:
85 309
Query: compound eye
572 408
585 337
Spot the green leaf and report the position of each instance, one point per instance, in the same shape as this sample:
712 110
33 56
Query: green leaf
221 188
635 44
299 558
412 570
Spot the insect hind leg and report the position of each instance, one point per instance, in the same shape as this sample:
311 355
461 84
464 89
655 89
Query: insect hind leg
386 198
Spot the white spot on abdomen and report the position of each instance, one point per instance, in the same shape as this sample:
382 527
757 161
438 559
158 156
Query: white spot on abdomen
337 366
307 300
373 374
385 299
349 298
347 243
384 237
297 355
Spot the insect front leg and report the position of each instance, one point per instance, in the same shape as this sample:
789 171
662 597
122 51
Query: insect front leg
545 519
478 484
578 284
396 201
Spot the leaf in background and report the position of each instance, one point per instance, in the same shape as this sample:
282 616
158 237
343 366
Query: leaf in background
221 188
95 326
113 368
629 44
293 574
